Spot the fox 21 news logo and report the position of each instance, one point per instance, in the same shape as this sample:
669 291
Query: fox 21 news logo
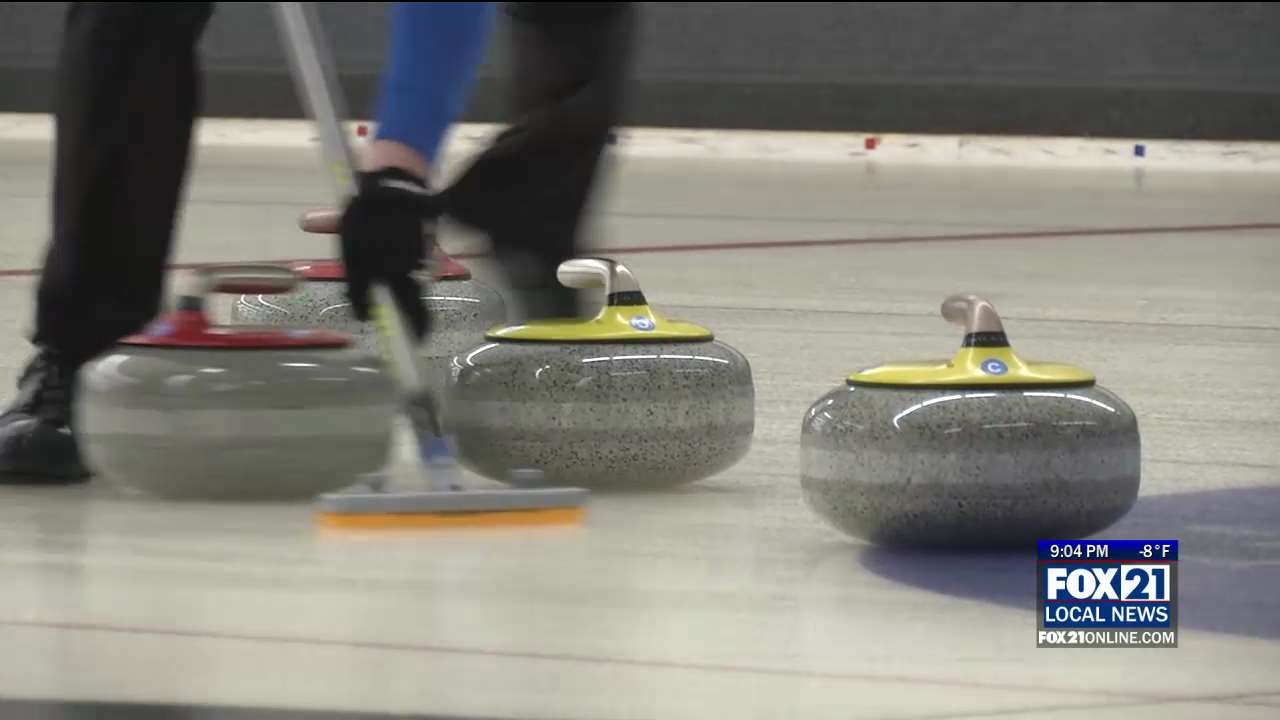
1108 593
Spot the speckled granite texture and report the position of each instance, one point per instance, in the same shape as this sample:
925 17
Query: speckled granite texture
959 468
604 415
235 424
461 312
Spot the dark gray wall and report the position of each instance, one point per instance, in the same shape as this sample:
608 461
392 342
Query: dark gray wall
1200 70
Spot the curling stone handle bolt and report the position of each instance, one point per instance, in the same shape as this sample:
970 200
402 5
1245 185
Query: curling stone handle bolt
973 313
246 279
593 273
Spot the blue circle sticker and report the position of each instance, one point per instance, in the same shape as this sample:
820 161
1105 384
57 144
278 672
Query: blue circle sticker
643 322
992 366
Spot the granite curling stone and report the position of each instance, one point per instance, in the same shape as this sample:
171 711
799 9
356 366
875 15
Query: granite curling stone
461 309
186 409
627 399
985 450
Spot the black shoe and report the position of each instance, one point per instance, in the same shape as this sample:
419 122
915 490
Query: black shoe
37 443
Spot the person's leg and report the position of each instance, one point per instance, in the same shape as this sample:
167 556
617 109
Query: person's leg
126 99
529 189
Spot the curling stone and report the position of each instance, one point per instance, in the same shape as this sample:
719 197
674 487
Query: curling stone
627 399
985 450
187 409
461 309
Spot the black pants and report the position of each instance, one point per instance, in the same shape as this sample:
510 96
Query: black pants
528 191
126 98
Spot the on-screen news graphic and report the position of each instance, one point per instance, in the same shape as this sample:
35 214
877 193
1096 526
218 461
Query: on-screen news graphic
1107 593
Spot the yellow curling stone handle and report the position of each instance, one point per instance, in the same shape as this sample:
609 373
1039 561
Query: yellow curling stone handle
985 358
625 317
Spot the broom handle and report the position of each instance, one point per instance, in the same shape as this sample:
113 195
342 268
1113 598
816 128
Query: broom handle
317 85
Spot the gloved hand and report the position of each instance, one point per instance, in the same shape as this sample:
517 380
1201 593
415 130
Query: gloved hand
383 241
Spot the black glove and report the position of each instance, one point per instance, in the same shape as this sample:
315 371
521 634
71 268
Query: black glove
383 241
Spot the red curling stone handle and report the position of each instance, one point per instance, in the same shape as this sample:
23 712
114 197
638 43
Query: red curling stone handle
323 222
327 221
248 279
